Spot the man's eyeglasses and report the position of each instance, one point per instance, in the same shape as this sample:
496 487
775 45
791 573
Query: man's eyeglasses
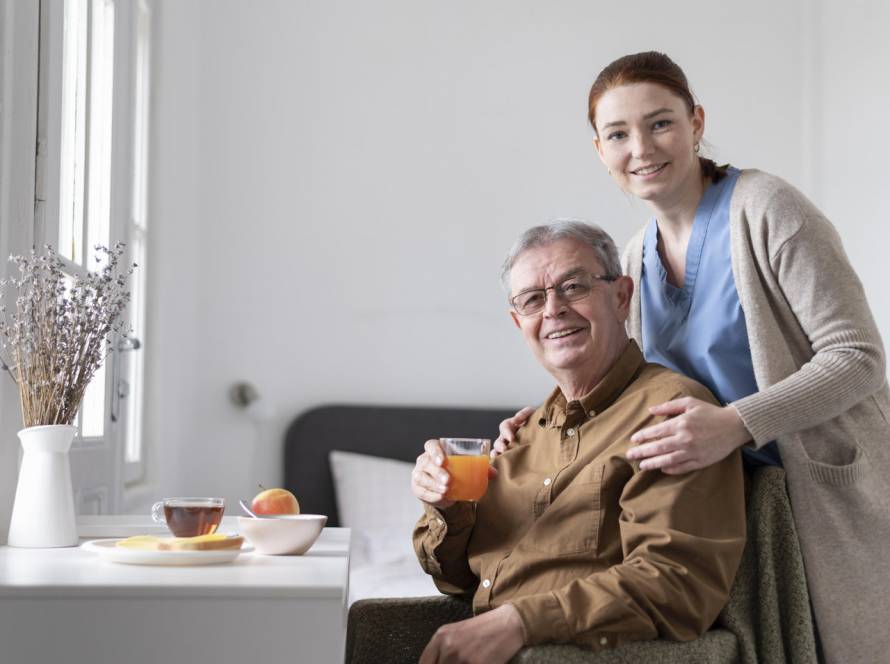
577 287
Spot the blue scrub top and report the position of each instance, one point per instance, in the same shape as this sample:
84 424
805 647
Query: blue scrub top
699 330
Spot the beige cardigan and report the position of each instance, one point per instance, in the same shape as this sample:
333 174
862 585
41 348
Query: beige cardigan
819 365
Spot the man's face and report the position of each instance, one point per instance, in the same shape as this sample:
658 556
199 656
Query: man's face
570 336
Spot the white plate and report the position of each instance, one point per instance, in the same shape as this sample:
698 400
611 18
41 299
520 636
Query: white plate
109 550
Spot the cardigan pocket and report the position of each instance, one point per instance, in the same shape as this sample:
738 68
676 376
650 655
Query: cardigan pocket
843 475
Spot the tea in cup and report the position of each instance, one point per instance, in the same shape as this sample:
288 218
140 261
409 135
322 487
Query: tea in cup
466 460
189 517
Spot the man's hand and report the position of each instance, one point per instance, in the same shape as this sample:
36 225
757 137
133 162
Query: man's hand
508 429
490 638
698 434
430 479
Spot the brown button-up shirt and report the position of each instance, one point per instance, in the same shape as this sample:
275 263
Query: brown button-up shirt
585 545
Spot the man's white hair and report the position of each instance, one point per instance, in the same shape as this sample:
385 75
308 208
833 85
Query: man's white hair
561 229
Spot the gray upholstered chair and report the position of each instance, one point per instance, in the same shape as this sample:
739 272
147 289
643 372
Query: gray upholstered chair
767 619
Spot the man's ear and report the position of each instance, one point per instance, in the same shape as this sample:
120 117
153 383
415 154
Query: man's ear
624 290
515 318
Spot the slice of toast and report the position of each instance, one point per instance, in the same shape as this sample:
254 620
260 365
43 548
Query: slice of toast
213 542
201 543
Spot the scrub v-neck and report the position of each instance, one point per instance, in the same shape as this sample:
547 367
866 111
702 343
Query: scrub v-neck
699 330
681 298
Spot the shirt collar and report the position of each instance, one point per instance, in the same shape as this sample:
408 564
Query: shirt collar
558 411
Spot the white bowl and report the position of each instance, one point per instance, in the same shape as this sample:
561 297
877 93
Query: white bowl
284 534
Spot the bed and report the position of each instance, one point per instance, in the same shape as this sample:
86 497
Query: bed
353 463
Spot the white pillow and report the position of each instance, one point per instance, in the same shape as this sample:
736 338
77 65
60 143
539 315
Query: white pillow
374 499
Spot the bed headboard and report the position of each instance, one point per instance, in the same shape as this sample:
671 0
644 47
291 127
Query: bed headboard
395 432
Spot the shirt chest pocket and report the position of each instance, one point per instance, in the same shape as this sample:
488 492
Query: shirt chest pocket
571 522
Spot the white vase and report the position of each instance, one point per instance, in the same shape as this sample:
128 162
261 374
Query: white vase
43 512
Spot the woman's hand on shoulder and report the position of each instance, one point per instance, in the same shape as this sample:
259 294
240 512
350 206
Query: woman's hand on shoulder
508 430
697 435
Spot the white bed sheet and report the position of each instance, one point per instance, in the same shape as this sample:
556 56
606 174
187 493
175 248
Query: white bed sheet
374 499
402 578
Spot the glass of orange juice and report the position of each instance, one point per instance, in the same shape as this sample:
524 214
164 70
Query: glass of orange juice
466 460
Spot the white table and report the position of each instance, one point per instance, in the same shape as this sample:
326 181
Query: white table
69 605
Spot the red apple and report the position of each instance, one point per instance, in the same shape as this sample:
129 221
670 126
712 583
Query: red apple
275 501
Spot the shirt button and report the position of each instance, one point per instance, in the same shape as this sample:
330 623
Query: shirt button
592 413
604 641
570 432
547 482
486 583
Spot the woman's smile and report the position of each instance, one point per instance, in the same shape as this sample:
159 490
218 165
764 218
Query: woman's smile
650 171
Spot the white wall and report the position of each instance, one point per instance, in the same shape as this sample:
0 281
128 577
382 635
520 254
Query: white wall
854 103
18 132
334 185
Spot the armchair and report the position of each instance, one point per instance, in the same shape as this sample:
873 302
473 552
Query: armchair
766 620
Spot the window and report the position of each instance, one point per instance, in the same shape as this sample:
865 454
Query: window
92 186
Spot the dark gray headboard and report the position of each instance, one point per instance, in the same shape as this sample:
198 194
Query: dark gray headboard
395 432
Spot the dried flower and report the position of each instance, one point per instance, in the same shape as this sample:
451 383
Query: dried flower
60 330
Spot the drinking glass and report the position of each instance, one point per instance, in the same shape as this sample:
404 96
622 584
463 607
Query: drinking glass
466 460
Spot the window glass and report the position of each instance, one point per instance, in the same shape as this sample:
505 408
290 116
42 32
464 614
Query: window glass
73 134
100 122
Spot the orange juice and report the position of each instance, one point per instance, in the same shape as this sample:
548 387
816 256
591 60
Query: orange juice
469 476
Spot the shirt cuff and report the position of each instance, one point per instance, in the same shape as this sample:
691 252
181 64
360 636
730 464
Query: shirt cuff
454 518
440 542
543 619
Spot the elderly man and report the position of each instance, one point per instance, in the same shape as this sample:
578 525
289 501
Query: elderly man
573 542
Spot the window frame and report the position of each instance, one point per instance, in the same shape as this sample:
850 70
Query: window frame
127 179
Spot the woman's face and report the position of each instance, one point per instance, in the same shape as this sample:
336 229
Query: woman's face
646 137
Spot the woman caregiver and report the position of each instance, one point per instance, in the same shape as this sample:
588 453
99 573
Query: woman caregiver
742 284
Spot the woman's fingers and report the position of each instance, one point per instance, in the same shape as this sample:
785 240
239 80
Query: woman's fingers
507 430
511 425
648 450
675 407
654 432
522 415
499 447
665 460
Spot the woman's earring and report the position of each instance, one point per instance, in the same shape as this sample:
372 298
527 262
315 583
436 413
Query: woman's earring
697 148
